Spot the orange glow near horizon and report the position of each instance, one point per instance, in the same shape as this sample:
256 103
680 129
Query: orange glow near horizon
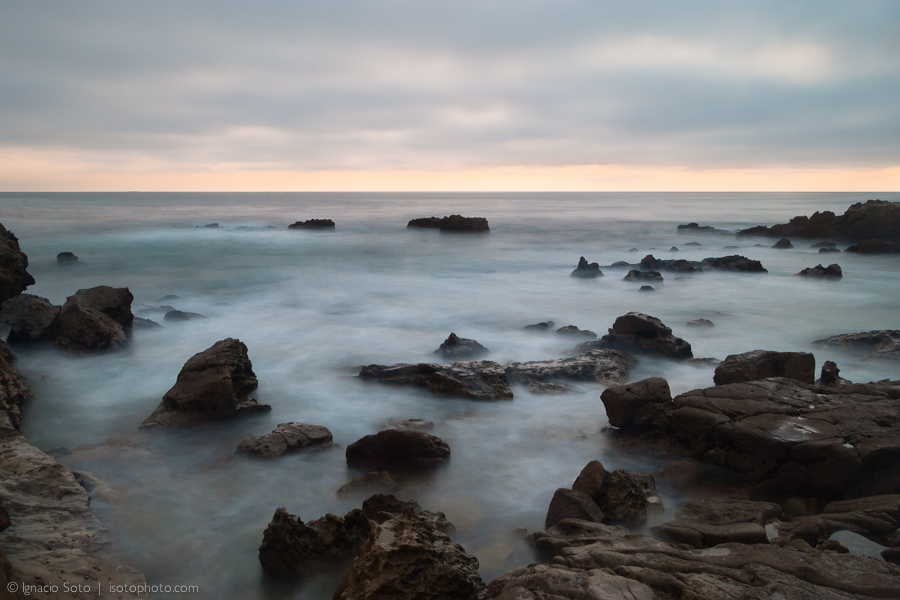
20 173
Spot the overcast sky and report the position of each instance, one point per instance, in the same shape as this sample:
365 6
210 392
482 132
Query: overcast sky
123 88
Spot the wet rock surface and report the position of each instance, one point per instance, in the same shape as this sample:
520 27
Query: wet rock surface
13 392
456 223
552 582
761 364
313 224
832 271
875 517
397 448
476 380
587 270
287 437
31 318
213 385
113 302
291 546
572 504
625 404
642 334
883 343
601 366
14 277
457 348
707 523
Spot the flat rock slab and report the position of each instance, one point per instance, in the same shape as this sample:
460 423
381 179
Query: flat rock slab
707 523
884 343
287 437
552 582
476 380
601 366
874 517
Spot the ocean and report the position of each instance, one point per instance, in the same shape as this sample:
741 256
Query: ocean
312 307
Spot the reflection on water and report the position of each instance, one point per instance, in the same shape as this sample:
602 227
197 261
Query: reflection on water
313 306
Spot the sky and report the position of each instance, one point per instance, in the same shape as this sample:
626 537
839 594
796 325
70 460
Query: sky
581 95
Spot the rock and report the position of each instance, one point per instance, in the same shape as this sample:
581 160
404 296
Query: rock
211 226
13 392
572 330
874 247
454 223
700 323
313 224
733 570
624 403
400 448
587 270
830 375
14 277
414 424
142 323
827 250
477 380
703 362
591 480
66 259
544 387
832 271
177 315
552 582
113 302
81 329
213 385
169 298
696 228
384 507
643 334
601 366
673 249
783 244
707 523
572 504
458 348
884 343
622 264
824 245
651 263
287 437
875 517
632 249
761 364
410 557
635 275
679 475
291 546
624 497
693 244
33 319
539 327
375 480
873 220
647 288
735 263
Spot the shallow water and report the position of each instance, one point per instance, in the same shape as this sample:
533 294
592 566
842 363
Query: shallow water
313 306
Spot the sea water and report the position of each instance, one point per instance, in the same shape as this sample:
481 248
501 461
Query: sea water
312 306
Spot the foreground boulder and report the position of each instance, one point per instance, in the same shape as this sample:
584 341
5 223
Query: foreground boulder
872 220
313 224
397 448
287 437
113 302
625 403
291 546
32 319
81 329
477 380
452 223
884 343
14 277
833 271
410 556
213 385
457 348
643 334
587 270
761 364
600 366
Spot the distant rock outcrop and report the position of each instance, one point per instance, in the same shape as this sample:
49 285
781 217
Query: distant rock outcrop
476 380
586 270
66 259
872 220
313 224
456 223
455 347
831 271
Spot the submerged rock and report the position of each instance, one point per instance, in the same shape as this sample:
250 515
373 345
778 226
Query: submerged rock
700 323
587 270
642 334
761 364
635 275
832 271
414 424
14 277
883 343
382 480
874 247
394 448
539 327
291 546
213 385
783 244
477 380
456 223
601 366
827 250
313 224
287 437
572 330
647 288
178 315
66 259
455 347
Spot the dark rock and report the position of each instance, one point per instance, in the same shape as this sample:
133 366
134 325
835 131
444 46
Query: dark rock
624 497
591 479
587 270
693 244
382 480
458 348
13 392
291 546
783 244
827 250
831 271
891 555
831 375
456 223
141 323
884 343
707 523
700 323
287 437
211 226
66 259
635 275
177 315
872 220
647 288
413 424
735 263
397 448
572 330
425 223
761 364
601 366
81 329
622 264
875 517
696 228
33 319
833 546
679 475
213 385
539 327
313 224
384 507
572 504
410 556
874 247
625 403
673 249
824 245
477 380
632 249
651 263
643 334
14 277
553 582
113 302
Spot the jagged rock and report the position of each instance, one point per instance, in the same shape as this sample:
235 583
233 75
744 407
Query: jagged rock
587 270
761 364
591 479
291 546
602 366
635 275
700 323
884 343
66 259
375 480
555 582
647 288
33 319
624 497
415 424
287 437
572 504
14 277
452 223
707 523
81 329
213 385
458 348
313 224
410 557
625 403
13 392
783 244
401 448
384 507
831 375
113 302
572 330
734 263
477 380
872 220
540 327
643 334
178 315
833 271
874 517
874 247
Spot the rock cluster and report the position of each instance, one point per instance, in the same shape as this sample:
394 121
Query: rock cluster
601 366
833 271
313 224
642 334
457 348
476 380
872 220
587 270
455 223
